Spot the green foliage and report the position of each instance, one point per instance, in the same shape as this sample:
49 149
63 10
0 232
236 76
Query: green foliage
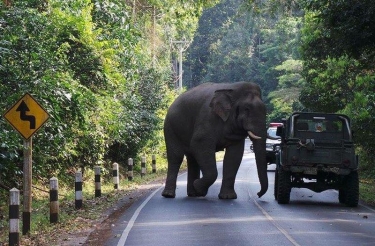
99 72
285 100
362 111
336 47
213 26
234 44
331 84
346 27
338 66
231 55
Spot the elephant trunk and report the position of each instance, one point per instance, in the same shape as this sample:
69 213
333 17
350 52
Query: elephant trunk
260 157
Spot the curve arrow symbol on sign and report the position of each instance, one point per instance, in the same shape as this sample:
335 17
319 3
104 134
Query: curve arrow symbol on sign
22 108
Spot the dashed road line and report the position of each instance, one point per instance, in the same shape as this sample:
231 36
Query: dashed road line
269 217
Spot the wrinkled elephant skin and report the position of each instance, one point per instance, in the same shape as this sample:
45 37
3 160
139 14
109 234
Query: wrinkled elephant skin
209 118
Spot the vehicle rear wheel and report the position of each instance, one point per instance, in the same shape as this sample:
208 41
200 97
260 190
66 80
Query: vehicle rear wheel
275 188
283 187
351 185
342 195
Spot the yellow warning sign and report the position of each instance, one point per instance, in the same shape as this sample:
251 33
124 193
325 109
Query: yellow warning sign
26 116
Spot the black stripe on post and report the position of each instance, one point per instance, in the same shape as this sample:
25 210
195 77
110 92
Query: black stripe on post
78 186
78 190
98 189
14 221
26 222
53 195
14 211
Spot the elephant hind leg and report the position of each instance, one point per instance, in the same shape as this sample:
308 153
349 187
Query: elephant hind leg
175 156
173 169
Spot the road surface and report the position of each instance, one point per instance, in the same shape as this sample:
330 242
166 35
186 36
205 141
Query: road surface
310 218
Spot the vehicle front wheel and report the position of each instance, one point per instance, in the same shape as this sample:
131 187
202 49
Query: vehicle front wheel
284 186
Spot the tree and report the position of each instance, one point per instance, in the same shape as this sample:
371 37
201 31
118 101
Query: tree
90 65
338 57
210 27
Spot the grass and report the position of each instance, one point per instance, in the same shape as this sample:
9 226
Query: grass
367 191
42 232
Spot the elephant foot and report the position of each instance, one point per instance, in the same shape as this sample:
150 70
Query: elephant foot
228 195
194 193
200 190
169 193
191 192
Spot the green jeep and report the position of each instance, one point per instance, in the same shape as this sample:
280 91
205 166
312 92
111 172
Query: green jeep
317 153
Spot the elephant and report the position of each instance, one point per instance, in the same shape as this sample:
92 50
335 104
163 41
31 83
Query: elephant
208 118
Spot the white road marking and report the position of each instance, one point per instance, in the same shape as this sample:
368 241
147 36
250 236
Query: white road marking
125 233
269 218
286 234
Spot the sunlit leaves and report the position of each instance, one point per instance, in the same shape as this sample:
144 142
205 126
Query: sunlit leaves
84 62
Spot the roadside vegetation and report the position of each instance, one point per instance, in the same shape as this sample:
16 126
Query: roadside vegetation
106 72
306 55
101 69
72 222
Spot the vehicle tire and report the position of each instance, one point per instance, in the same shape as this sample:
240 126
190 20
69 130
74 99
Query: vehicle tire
352 189
275 188
272 160
284 187
342 195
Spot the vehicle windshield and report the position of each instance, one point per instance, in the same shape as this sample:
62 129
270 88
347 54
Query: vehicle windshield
319 125
326 126
272 132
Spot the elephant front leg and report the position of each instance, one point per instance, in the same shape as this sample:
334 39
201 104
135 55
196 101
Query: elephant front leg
207 164
193 174
232 160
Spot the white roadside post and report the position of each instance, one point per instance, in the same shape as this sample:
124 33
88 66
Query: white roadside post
54 200
115 174
14 220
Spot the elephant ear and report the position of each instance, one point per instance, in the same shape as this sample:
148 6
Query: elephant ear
222 103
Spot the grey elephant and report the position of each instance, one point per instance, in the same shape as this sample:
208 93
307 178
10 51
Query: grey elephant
209 118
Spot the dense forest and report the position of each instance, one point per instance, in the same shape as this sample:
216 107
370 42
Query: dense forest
105 70
101 69
307 55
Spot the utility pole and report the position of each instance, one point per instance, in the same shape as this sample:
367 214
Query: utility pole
181 46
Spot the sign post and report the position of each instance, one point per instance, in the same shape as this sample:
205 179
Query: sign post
26 116
27 184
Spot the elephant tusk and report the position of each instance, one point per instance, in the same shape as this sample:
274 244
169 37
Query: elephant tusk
252 135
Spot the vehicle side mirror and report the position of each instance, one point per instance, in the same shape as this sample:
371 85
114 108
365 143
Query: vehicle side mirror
280 131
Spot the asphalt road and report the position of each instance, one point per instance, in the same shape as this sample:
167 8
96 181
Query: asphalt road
310 218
